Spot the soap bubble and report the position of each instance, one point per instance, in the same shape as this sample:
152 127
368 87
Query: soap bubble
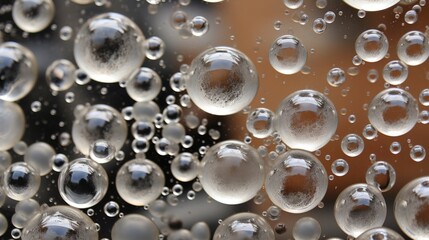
380 233
340 167
199 26
18 71
139 182
359 208
244 226
83 183
144 85
372 45
109 47
61 75
352 145
21 181
411 206
413 48
13 124
102 151
155 48
371 5
287 54
222 81
185 167
134 226
232 172
307 228
393 112
381 175
260 122
306 119
395 72
60 222
336 77
98 122
297 182
33 15
40 156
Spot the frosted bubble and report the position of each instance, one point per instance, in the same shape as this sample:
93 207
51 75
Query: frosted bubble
83 1
109 47
411 206
5 159
307 228
418 153
336 77
60 222
359 208
83 183
372 45
40 156
13 124
293 4
33 15
27 208
185 167
352 145
260 122
61 75
144 85
369 132
111 209
371 5
3 224
134 227
340 167
155 48
381 175
201 231
98 122
145 111
199 26
393 112
181 234
395 72
287 54
297 182
413 48
242 226
232 172
21 181
66 33
102 151
18 71
140 182
306 119
380 233
222 81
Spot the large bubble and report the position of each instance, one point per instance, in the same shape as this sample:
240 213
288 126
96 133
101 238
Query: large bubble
287 54
222 81
33 15
135 227
371 5
12 125
21 181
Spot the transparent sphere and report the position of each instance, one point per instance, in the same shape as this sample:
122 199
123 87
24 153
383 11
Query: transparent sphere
144 85
260 122
381 175
418 153
111 209
411 207
287 54
307 228
293 4
18 71
340 167
21 181
3 224
199 26
97 122
40 156
134 227
393 112
33 15
109 47
297 182
155 48
201 231
83 183
139 182
380 233
13 124
336 77
60 222
83 1
102 151
306 119
222 81
244 226
369 132
60 75
371 5
5 159
395 72
232 172
413 48
185 167
372 45
27 208
142 130
352 145
359 208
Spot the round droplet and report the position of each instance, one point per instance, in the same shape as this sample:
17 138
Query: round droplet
102 151
40 156
61 75
395 72
372 45
380 233
340 167
413 48
371 5
144 85
418 153
199 26
287 54
134 226
155 48
185 167
352 145
381 175
307 228
21 181
12 125
33 15
260 122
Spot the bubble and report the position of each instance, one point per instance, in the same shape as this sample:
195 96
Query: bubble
287 54
174 132
3 224
395 72
33 15
5 159
372 45
66 33
340 167
293 4
297 182
109 47
155 48
144 85
306 119
319 25
336 77
307 228
199 26
60 222
111 209
139 182
232 172
369 132
352 145
18 71
413 48
411 206
418 153
81 77
40 156
98 122
172 113
380 233
185 167
222 81
201 231
244 226
411 17
60 75
359 208
13 124
393 112
371 5
134 226
83 1
181 234
59 162
27 208
21 181
260 122
178 19
329 17
145 111
102 151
